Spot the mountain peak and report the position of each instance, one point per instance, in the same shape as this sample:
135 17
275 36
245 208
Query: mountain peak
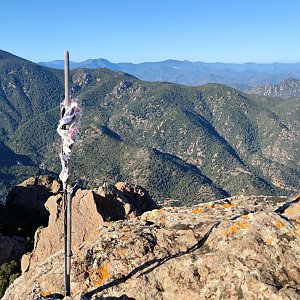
4 55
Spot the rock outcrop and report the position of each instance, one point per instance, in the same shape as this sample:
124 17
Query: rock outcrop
90 211
236 248
23 213
24 208
32 193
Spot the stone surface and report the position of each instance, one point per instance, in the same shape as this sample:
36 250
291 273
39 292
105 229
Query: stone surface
236 248
90 210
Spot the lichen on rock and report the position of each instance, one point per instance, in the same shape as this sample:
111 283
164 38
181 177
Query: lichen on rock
228 249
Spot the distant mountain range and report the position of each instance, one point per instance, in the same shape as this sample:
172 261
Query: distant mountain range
192 144
240 76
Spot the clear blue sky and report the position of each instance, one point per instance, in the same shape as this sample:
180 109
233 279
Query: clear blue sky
152 30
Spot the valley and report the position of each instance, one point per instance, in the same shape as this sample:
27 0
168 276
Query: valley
189 144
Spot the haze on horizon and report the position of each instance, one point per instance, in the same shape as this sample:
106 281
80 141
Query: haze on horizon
136 31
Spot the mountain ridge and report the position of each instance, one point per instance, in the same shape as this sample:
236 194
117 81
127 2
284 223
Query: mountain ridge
287 88
185 143
241 76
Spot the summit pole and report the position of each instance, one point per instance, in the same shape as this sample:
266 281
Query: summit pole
67 95
67 195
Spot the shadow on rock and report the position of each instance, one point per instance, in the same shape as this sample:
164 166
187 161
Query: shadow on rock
24 212
147 267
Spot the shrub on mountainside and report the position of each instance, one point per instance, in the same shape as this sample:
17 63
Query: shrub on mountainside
8 273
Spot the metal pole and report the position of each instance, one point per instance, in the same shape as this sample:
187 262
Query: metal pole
67 95
67 196
68 246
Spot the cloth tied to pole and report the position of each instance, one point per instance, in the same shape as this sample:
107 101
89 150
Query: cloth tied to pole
68 129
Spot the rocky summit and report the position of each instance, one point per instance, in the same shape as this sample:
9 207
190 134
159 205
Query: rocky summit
243 247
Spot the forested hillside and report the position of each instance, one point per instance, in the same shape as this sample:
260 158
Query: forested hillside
191 144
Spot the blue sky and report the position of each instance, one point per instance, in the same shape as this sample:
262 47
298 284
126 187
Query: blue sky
152 30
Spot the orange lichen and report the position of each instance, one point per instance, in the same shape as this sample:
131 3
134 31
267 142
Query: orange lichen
197 210
99 275
209 206
279 225
231 229
245 217
234 228
294 233
45 294
269 241
243 225
229 205
218 206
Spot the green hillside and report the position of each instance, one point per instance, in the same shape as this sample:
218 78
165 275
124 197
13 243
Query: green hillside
191 144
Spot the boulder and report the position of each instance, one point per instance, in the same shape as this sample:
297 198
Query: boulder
124 200
90 211
138 198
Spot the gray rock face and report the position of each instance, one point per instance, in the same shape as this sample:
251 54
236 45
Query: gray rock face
236 248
